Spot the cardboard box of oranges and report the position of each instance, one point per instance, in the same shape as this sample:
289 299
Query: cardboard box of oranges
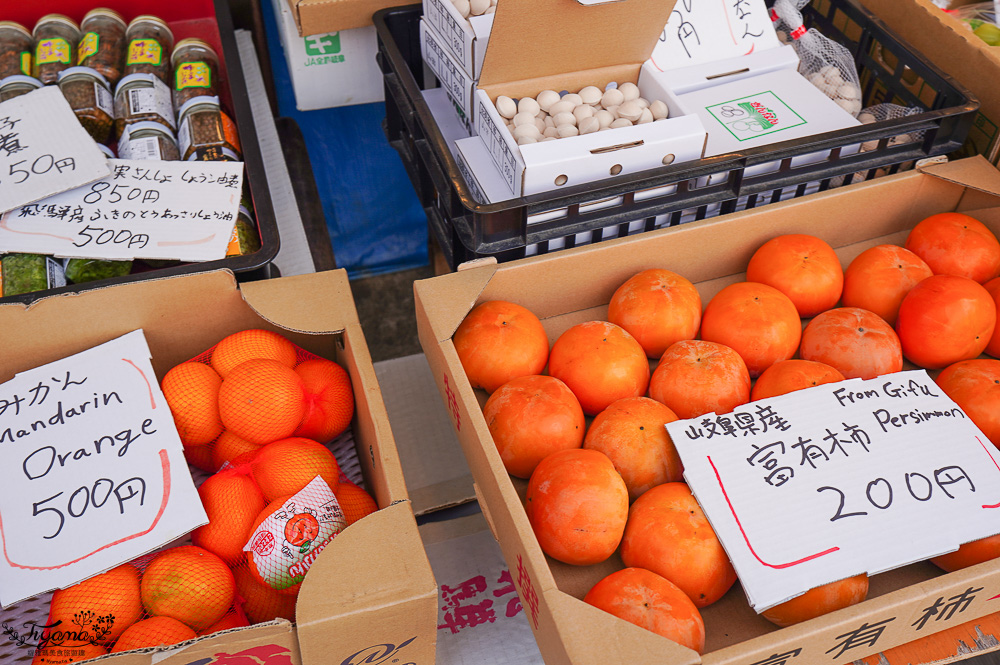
370 593
576 286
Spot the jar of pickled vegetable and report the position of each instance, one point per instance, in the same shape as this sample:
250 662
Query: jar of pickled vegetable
245 239
56 37
142 98
88 95
206 133
17 85
148 140
103 44
15 49
149 44
196 71
27 273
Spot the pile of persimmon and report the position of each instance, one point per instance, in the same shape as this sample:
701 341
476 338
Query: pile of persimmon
799 319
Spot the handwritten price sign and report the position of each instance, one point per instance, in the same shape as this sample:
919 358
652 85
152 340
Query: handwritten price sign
43 149
700 31
91 469
149 210
829 482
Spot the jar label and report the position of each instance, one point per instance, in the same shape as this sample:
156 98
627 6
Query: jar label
234 244
193 75
144 51
55 273
155 100
88 46
104 100
144 148
184 136
52 50
26 63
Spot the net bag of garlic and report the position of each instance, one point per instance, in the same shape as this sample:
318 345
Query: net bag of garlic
826 64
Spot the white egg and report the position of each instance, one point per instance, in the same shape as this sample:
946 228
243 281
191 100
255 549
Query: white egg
612 97
644 117
589 125
565 131
849 91
463 7
659 110
573 99
583 111
561 119
866 118
526 130
591 95
506 107
549 122
528 105
605 118
621 122
551 132
561 107
629 90
546 98
630 110
478 7
523 119
525 140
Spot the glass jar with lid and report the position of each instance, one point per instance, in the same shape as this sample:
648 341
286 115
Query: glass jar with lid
88 95
148 140
142 98
17 85
102 46
206 133
196 71
15 49
149 44
56 37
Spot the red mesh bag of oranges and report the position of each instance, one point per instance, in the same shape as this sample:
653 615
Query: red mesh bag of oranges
255 410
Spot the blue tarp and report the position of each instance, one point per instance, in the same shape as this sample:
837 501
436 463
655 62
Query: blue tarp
376 223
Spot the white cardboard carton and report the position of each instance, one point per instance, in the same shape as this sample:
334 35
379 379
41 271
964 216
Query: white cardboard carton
479 171
458 83
332 69
465 38
567 45
696 77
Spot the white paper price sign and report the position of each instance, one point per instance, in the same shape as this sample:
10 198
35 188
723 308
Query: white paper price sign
829 482
144 209
44 149
91 469
700 31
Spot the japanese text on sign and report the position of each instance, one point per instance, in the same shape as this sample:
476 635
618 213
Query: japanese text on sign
849 468
153 210
43 149
91 469
700 31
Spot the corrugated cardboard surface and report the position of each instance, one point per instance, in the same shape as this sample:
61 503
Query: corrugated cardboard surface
574 286
314 17
955 49
539 38
372 585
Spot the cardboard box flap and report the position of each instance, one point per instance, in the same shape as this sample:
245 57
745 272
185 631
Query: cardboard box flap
975 172
537 38
314 17
596 637
322 308
349 578
450 297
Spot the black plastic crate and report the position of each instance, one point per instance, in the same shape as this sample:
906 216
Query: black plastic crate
466 229
210 20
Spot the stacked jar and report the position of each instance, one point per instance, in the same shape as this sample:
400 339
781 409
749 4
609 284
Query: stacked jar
16 46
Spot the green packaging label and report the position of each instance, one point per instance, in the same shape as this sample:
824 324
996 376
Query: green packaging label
756 115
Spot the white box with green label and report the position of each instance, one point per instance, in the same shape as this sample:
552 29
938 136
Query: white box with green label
758 111
332 69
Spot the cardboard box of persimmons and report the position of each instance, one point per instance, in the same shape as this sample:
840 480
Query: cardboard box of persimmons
575 472
275 400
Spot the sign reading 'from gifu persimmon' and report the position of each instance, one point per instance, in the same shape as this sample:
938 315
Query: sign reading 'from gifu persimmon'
840 479
92 473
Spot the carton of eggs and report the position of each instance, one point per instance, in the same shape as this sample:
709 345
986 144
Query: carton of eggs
549 116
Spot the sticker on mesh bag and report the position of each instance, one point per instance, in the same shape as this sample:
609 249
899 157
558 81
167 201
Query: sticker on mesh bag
286 543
